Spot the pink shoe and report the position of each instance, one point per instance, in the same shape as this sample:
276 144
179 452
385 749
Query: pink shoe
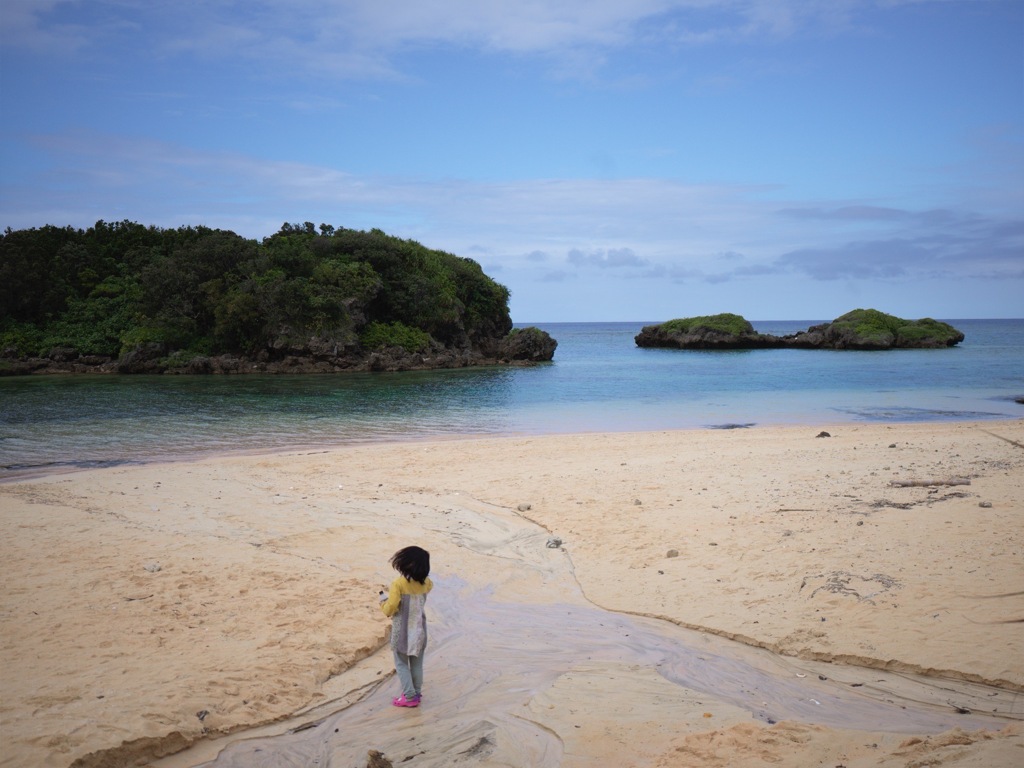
401 701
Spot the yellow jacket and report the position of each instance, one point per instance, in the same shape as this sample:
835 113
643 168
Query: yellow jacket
403 586
405 604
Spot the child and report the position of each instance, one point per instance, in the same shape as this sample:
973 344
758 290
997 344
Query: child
405 603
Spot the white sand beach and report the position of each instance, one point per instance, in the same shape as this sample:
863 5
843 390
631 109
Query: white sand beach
149 609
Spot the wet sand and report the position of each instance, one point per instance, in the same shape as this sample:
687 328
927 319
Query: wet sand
147 608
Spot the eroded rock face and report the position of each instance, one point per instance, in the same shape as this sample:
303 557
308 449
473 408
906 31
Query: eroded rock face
857 330
701 337
524 346
528 344
142 359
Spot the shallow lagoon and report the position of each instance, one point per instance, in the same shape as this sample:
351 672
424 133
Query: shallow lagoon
599 381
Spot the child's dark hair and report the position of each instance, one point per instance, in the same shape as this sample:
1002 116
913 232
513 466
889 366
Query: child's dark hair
413 563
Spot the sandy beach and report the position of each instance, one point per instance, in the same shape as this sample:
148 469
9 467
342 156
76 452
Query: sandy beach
685 598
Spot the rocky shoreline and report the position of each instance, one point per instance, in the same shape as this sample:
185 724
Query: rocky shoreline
527 346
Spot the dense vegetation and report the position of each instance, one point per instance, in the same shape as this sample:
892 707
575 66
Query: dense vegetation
722 323
884 330
117 288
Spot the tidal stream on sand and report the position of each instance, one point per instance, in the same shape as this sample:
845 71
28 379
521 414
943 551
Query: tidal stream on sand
505 675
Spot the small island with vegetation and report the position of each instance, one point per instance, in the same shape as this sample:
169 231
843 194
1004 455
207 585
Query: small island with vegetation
861 329
126 298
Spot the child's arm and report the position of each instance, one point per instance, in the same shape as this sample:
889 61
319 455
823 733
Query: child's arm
393 601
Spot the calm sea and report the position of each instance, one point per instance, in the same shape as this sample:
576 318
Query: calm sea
599 381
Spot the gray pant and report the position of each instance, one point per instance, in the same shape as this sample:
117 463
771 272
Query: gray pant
410 673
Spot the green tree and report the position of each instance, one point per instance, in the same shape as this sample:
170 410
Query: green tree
117 285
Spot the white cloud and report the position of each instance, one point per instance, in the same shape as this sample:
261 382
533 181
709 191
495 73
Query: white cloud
847 213
29 24
614 257
634 227
361 38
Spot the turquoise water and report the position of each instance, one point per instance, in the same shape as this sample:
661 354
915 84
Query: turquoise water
599 381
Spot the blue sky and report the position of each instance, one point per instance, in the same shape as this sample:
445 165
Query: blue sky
604 159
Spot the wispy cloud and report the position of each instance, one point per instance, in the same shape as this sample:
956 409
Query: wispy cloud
639 228
365 38
847 213
615 257
34 25
979 251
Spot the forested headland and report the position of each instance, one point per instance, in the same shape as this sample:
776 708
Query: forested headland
128 298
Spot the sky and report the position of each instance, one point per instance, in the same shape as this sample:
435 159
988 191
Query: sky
606 160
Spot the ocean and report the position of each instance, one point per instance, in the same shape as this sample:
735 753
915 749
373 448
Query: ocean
599 381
